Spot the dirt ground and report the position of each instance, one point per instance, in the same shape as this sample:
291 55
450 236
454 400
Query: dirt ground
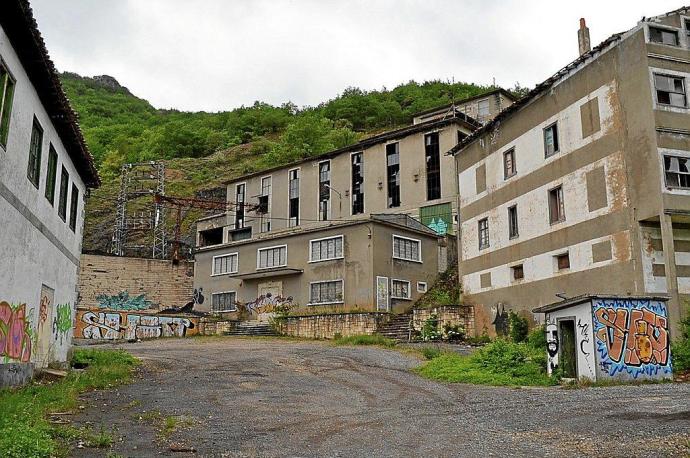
235 397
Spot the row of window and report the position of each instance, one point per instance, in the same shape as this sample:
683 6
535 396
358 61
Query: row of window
324 249
561 263
556 215
668 36
551 147
320 293
35 153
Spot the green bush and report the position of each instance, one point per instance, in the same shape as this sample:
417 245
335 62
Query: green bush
680 349
430 329
518 327
431 352
453 333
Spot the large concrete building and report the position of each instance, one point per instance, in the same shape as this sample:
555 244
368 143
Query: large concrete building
583 186
45 173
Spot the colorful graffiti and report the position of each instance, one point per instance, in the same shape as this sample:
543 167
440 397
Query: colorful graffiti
16 334
62 322
122 301
632 337
47 296
119 325
267 303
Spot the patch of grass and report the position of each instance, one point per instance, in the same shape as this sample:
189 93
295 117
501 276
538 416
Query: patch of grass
431 352
101 439
24 428
499 363
680 348
365 339
166 425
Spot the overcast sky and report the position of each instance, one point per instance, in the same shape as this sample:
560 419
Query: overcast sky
219 54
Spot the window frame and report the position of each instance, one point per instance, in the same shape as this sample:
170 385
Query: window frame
33 169
514 269
509 152
240 223
297 218
51 178
6 104
258 259
391 201
73 206
227 255
483 246
557 258
663 30
409 289
234 309
513 232
432 157
361 185
561 205
422 287
265 217
419 251
331 237
342 288
657 90
327 184
679 173
556 139
63 198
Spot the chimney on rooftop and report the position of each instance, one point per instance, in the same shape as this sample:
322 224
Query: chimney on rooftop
583 37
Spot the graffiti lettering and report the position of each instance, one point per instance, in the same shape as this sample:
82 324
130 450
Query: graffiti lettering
15 333
122 301
62 322
267 303
117 325
584 332
632 336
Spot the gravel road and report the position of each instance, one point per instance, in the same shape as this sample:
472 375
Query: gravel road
236 397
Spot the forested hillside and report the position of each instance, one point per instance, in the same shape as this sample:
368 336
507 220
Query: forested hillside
203 150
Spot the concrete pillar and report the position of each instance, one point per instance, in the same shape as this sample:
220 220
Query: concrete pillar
674 303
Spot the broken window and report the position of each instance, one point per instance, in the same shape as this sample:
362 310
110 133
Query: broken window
663 36
433 166
64 188
483 226
73 208
225 264
551 140
400 289
293 197
224 302
271 257
240 194
326 292
518 272
324 190
406 249
34 169
393 174
6 95
483 109
357 183
326 249
51 177
670 90
563 261
211 237
512 222
677 171
556 205
509 168
265 204
461 136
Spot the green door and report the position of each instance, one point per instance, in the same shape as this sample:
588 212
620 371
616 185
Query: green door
568 348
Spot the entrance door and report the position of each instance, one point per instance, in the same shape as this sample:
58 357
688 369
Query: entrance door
568 348
269 294
382 297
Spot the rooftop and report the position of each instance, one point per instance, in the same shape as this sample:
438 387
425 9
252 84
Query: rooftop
589 297
500 90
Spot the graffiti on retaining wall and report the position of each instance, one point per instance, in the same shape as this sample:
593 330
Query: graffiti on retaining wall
500 320
122 301
119 325
16 334
267 303
62 322
632 337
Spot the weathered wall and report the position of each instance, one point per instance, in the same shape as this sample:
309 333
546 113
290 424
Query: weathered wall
452 315
163 284
100 324
327 326
582 317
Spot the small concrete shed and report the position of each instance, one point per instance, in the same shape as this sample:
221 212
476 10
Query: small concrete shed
609 337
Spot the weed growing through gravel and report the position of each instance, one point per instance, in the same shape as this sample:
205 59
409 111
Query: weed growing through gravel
365 339
24 427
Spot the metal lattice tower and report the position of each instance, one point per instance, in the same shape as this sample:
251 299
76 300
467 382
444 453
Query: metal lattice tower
140 179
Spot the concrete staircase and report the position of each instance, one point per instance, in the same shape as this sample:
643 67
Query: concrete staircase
397 328
252 328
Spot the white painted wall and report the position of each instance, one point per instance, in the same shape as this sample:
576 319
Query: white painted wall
29 257
586 358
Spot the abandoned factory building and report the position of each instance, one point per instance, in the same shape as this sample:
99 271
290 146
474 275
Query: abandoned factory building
45 172
583 186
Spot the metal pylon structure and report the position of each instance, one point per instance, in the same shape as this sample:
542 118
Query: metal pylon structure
140 179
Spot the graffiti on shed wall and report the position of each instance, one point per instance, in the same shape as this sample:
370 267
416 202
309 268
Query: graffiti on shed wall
16 334
122 301
62 322
121 325
632 337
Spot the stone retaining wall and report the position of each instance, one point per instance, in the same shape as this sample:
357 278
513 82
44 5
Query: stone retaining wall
209 327
327 326
454 315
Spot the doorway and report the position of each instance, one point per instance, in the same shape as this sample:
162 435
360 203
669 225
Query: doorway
568 348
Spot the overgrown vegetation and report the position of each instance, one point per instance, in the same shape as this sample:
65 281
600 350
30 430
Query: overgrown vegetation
680 349
519 327
365 339
445 291
24 427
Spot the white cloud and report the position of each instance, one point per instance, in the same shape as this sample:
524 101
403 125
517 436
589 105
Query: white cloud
216 54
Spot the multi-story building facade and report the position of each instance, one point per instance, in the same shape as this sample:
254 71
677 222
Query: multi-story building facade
482 108
582 186
45 173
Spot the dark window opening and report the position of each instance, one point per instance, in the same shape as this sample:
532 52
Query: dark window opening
34 169
509 167
64 188
357 183
240 195
461 136
265 204
670 90
393 174
74 205
663 36
293 198
240 234
211 237
518 272
51 177
513 222
6 95
324 190
556 205
433 166
677 171
563 261
551 140
483 233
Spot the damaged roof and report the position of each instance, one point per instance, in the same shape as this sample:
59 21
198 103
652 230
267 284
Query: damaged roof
18 23
500 90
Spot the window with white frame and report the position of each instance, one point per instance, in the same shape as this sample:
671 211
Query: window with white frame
407 249
271 257
670 90
225 264
224 302
663 36
677 170
400 289
421 287
7 83
326 292
483 230
551 140
326 249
